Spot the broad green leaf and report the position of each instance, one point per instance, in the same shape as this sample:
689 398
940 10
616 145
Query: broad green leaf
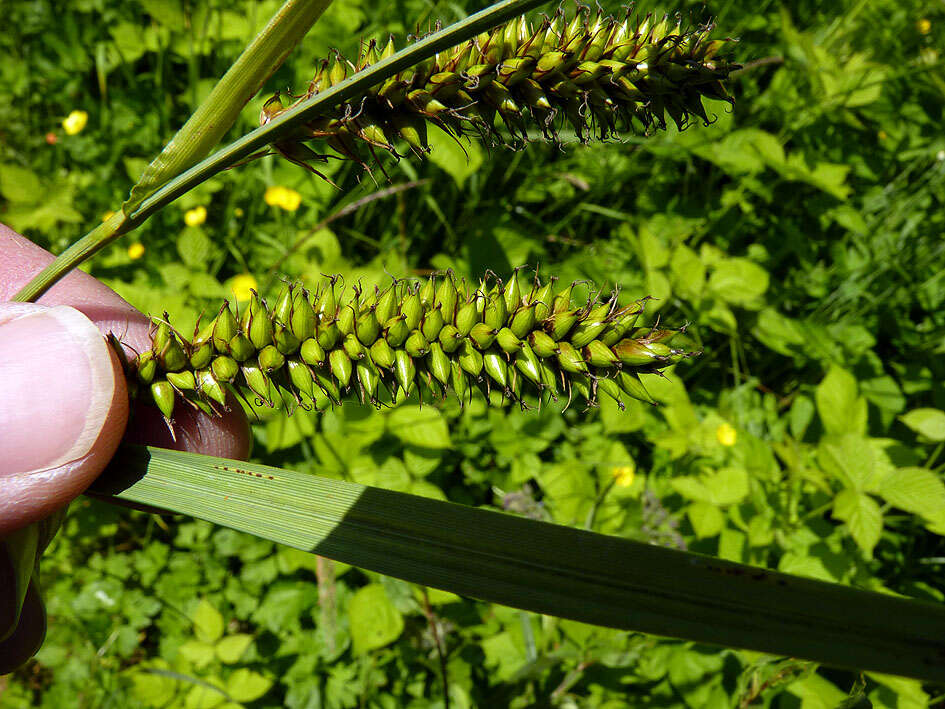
208 693
420 462
285 601
231 648
153 689
862 516
194 246
208 622
423 427
779 332
839 405
688 272
198 653
853 460
707 520
917 490
929 423
909 693
884 392
732 544
725 486
55 206
740 282
167 12
375 622
458 158
815 692
569 491
19 184
244 685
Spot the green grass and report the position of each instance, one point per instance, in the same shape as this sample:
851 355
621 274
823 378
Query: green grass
800 235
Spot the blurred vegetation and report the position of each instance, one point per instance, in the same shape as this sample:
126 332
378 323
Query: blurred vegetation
800 235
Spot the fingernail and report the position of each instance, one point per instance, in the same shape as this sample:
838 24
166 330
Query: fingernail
55 388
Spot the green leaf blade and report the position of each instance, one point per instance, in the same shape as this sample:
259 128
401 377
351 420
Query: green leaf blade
541 567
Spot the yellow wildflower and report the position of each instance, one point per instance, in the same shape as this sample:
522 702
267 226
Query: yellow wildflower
75 122
283 197
241 285
136 251
624 474
726 434
238 211
195 216
923 26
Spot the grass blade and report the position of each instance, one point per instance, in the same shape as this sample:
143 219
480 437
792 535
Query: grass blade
541 567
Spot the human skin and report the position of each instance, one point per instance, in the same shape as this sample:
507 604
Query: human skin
64 410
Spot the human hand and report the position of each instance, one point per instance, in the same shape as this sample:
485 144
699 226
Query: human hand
63 412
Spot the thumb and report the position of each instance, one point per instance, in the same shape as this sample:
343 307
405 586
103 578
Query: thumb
63 409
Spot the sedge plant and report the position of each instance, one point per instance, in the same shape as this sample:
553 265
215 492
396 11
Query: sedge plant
497 78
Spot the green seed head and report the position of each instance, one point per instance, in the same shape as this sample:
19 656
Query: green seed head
432 323
209 386
224 368
484 344
340 364
225 328
382 354
302 317
257 323
270 359
184 381
599 75
162 394
396 331
446 298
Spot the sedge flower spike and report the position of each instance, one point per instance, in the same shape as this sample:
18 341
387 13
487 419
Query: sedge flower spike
600 75
316 349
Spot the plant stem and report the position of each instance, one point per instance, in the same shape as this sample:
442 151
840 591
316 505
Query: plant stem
357 84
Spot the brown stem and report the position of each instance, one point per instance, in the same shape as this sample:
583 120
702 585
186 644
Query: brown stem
325 572
431 619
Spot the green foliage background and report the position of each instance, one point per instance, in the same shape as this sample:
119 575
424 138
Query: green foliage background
800 235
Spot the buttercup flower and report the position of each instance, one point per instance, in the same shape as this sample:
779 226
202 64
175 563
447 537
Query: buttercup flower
283 197
726 434
75 122
242 286
136 251
923 26
624 475
195 216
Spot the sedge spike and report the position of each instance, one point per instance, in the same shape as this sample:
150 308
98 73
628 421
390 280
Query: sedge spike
601 76
316 349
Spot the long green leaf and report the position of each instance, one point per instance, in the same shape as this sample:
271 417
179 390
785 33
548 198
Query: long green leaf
541 567
282 125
